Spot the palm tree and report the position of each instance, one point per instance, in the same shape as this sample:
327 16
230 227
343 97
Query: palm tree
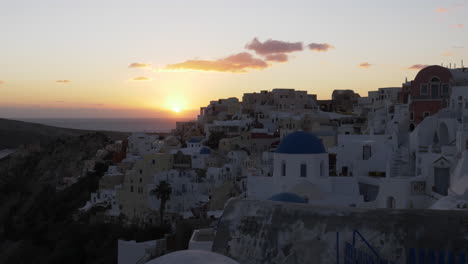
163 193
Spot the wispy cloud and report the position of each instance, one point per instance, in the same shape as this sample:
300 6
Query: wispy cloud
139 65
449 9
417 67
320 47
441 10
457 26
141 78
458 47
63 81
278 57
237 63
271 46
365 65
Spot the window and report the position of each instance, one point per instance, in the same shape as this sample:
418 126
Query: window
445 88
426 114
366 152
303 170
153 161
131 188
424 89
283 169
141 180
411 117
321 169
435 90
141 171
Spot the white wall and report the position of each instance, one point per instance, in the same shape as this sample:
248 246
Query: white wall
293 168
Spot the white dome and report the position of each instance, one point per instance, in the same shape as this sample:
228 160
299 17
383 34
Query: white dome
192 257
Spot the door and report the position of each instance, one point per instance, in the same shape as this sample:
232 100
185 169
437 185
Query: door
441 180
344 171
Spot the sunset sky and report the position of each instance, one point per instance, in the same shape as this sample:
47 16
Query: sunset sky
150 58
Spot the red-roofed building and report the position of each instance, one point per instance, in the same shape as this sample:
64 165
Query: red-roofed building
427 93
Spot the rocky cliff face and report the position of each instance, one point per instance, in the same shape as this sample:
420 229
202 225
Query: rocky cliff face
32 211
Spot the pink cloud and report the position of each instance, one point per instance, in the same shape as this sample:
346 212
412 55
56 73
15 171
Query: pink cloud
365 65
139 65
273 46
457 26
237 63
417 67
1 82
320 47
278 57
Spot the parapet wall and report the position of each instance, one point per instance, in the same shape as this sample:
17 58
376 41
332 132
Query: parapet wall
259 232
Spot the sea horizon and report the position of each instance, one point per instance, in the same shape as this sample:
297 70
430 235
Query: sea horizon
132 124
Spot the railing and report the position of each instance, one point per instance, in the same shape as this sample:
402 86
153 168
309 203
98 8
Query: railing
432 256
354 255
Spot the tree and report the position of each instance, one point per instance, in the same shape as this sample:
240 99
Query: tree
163 193
214 138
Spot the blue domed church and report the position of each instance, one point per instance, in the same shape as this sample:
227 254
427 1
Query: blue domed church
299 157
300 175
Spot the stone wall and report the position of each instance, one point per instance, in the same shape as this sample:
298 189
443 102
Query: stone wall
273 232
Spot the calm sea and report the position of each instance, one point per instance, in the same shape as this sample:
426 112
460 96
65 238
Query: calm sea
110 124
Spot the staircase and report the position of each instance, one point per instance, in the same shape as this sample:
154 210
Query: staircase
399 162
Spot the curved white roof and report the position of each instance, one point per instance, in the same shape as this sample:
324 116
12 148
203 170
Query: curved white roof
192 257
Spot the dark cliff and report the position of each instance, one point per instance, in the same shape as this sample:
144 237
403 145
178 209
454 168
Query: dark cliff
39 222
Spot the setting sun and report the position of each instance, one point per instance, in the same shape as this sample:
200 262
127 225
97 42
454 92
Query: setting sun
176 109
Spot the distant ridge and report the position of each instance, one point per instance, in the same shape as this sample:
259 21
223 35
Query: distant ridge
14 133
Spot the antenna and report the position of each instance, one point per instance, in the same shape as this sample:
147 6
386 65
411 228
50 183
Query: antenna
450 65
463 66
